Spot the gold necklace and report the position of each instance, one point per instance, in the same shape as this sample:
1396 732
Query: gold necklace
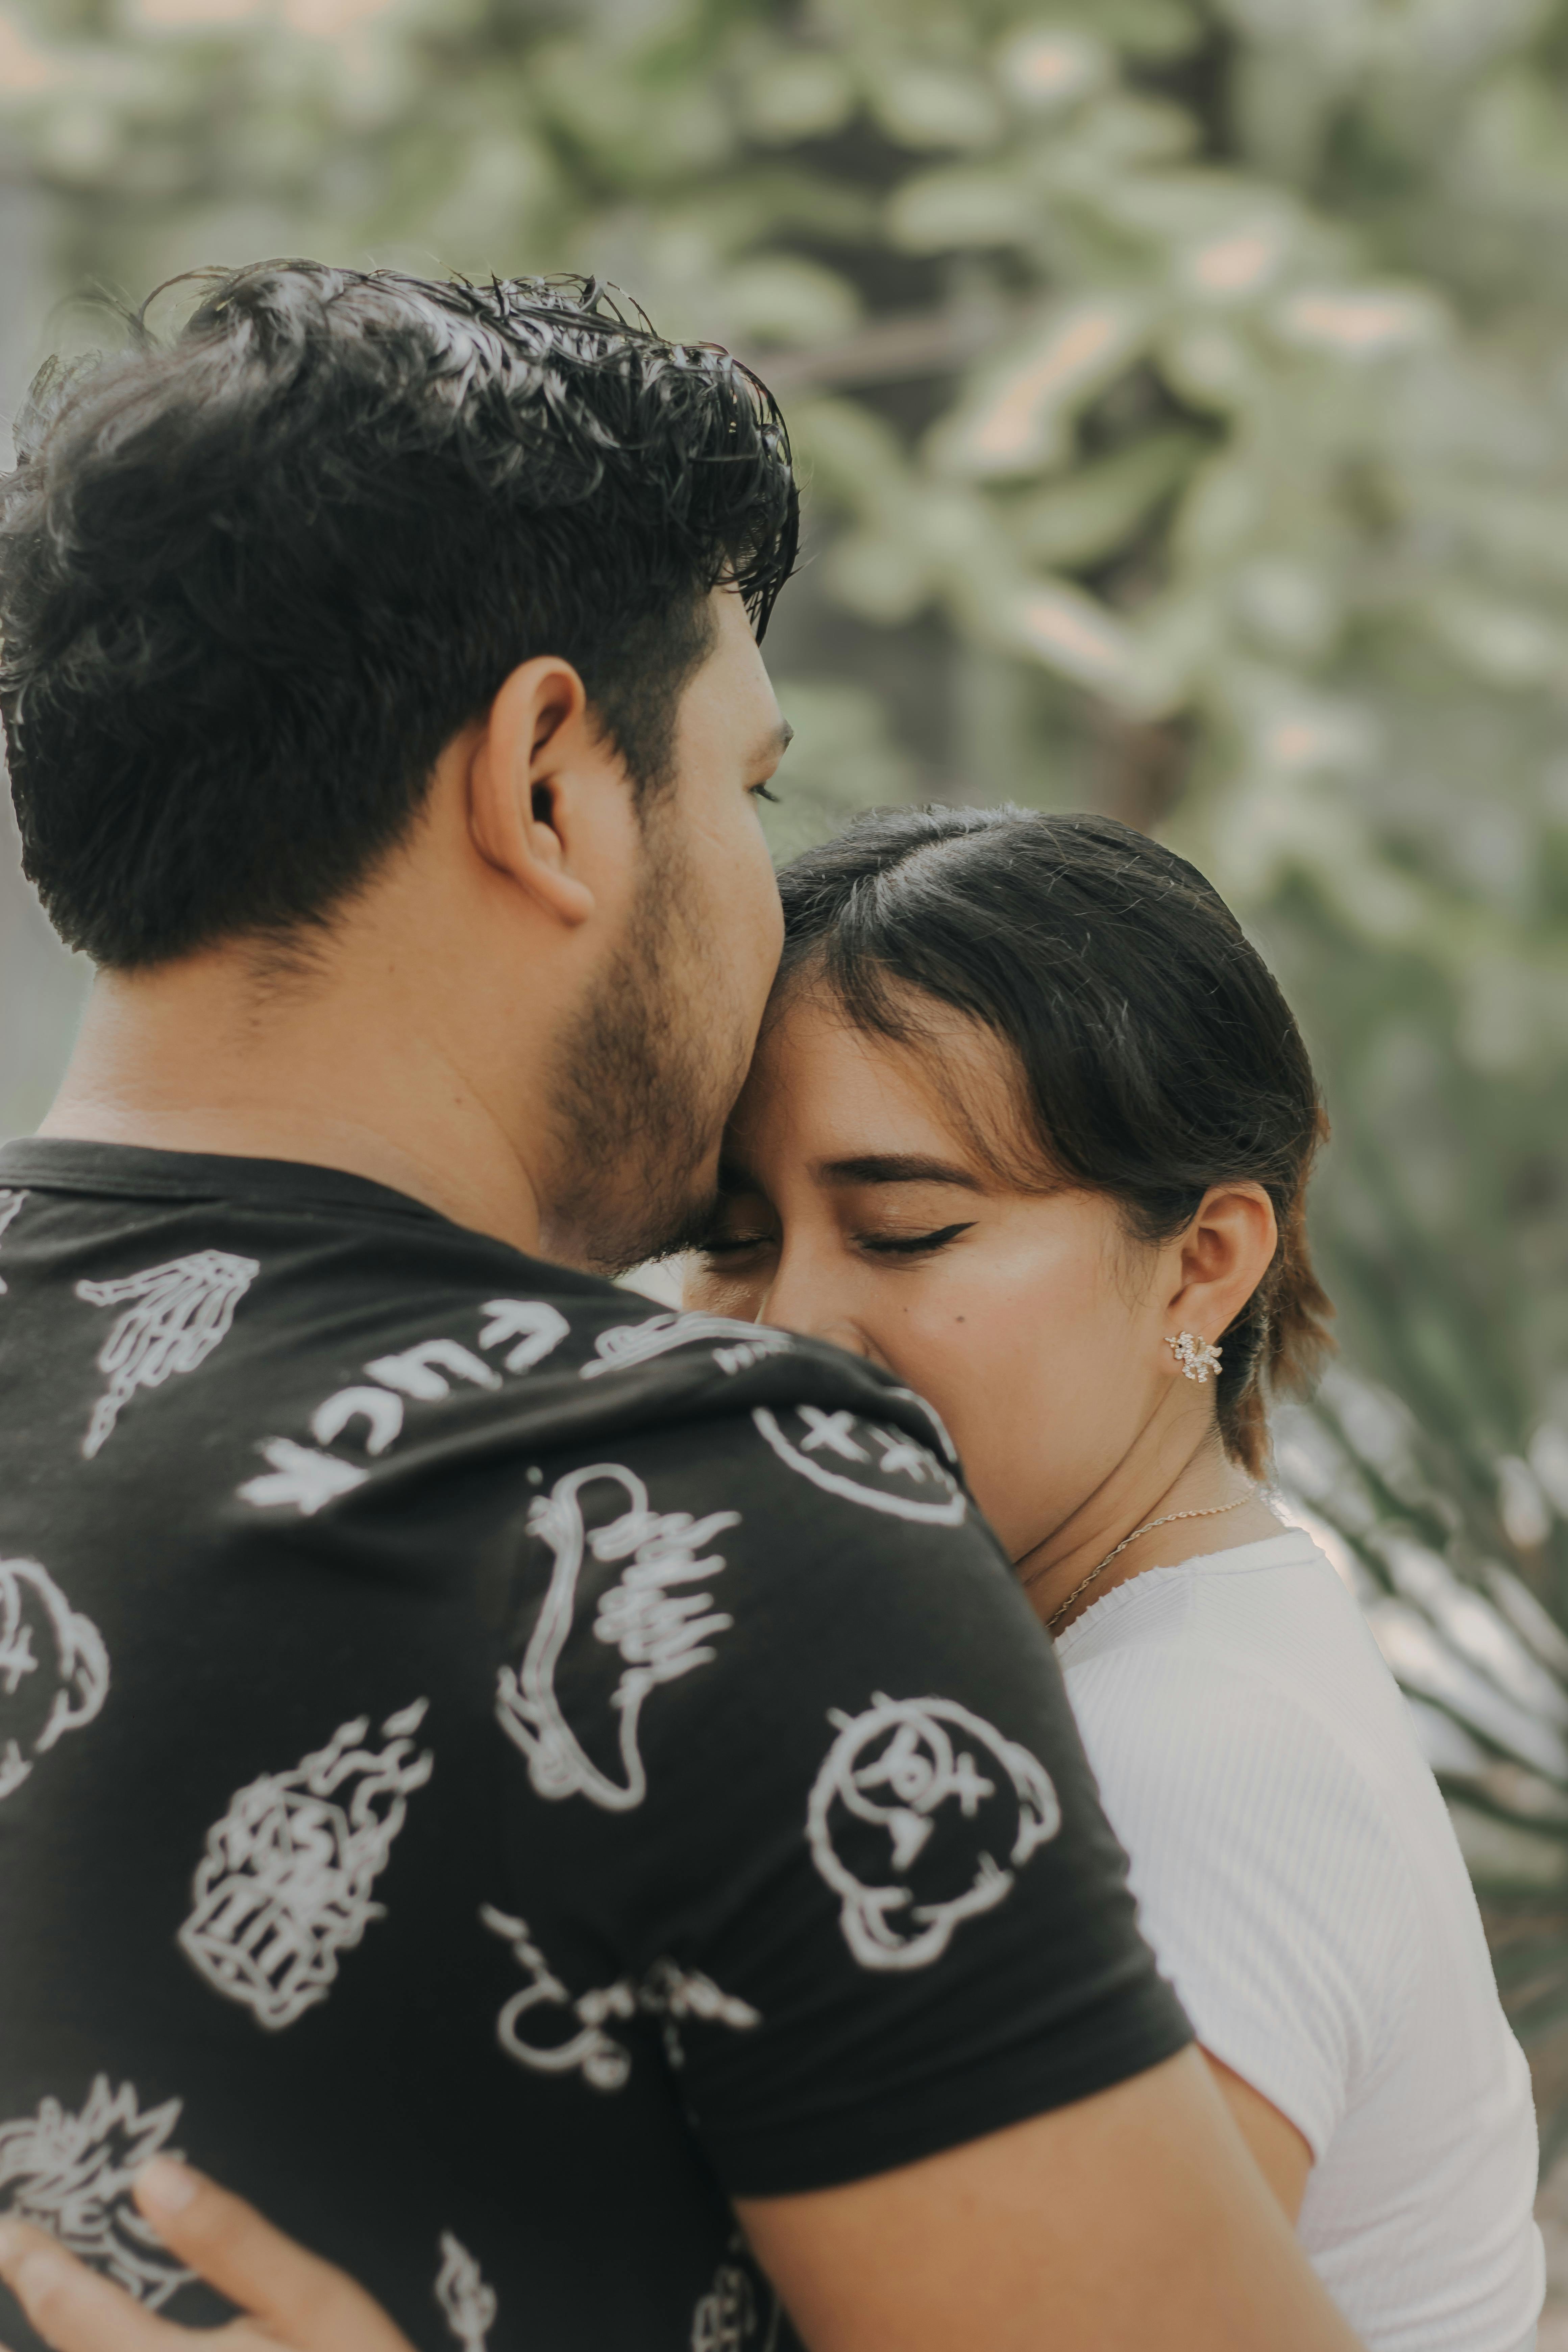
1215 1511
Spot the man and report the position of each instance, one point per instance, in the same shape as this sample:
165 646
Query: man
513 1782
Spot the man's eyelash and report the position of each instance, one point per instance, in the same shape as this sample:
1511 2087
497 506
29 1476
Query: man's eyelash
914 1245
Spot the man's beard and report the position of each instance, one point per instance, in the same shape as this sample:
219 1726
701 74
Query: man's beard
643 1082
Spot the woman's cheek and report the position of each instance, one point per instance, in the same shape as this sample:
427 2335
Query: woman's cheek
1007 1387
943 1357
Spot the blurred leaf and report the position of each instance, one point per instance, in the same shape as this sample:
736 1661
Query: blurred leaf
1072 634
1099 505
940 211
806 96
1045 68
780 298
848 450
842 758
882 578
1016 417
924 105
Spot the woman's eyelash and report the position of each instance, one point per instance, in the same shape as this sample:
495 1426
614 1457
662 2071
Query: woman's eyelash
913 1244
760 793
884 1244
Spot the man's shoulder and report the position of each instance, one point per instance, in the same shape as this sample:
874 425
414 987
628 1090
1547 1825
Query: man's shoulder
464 1376
295 1344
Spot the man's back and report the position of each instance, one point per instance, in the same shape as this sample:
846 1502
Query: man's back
493 1771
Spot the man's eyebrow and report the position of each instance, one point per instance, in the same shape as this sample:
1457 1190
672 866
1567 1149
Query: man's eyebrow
898 1167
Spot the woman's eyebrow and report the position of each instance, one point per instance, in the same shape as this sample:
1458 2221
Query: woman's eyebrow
898 1167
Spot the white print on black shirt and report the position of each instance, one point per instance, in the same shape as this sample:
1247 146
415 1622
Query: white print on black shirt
303 1479
300 1479
651 1615
740 2313
74 1666
636 1343
71 2175
535 1328
285 1884
928 1413
823 1439
175 1315
900 1773
668 1991
467 2305
10 1202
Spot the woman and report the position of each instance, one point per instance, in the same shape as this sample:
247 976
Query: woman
1030 1125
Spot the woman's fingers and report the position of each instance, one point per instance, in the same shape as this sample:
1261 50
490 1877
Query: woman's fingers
296 2296
297 2300
69 2305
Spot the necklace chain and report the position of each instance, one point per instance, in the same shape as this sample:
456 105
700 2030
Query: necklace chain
1215 1511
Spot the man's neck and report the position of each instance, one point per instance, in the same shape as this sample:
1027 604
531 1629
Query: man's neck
186 1058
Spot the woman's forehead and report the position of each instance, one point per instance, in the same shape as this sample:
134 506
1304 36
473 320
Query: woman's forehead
822 1089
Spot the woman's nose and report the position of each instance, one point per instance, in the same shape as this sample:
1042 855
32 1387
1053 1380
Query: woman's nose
796 1302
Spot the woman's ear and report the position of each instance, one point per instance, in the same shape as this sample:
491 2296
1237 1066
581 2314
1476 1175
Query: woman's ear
519 784
1224 1255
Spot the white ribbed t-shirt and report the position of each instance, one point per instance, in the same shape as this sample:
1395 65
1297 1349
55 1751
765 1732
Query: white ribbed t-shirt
1298 1876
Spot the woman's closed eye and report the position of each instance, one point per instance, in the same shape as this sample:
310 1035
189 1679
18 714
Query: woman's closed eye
912 1244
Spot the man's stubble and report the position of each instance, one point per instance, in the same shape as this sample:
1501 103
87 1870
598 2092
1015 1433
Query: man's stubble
644 1080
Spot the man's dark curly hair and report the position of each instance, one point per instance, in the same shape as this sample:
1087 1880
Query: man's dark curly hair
252 581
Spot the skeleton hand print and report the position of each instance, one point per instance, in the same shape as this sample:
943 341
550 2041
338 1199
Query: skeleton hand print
175 1315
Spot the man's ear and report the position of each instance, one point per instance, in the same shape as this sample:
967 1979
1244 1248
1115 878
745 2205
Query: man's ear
1223 1256
538 724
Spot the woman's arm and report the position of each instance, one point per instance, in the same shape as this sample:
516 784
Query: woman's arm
1278 2150
1130 2219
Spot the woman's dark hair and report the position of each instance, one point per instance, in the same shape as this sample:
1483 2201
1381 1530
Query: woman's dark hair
1157 1054
253 581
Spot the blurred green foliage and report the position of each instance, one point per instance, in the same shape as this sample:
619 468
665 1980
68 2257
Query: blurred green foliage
1181 388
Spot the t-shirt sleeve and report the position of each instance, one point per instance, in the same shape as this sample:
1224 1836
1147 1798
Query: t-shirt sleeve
818 1790
1267 1874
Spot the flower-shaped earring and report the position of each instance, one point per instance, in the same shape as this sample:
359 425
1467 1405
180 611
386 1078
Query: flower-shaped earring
1197 1358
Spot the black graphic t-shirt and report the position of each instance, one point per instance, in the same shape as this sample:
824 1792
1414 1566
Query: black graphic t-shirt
491 1770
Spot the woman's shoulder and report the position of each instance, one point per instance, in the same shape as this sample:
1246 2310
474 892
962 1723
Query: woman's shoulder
1241 1699
1262 1775
1207 1644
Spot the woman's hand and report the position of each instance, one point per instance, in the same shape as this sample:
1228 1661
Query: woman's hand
288 2296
